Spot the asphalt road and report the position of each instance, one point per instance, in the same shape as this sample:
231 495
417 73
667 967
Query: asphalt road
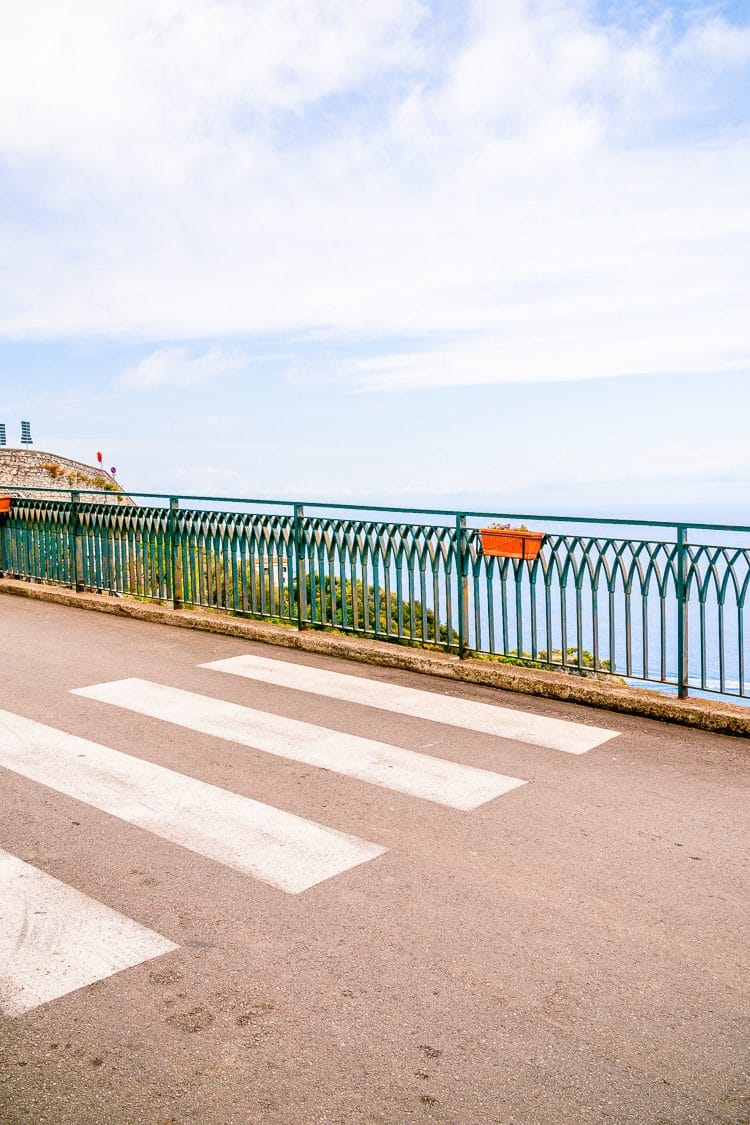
574 949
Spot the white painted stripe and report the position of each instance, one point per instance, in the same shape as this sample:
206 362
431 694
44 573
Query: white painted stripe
280 849
539 730
446 783
54 939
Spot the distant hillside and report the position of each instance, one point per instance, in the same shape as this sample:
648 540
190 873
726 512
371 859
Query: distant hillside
32 468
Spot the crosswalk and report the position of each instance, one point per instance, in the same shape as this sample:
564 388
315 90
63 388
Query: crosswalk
43 956
54 940
486 718
285 851
419 775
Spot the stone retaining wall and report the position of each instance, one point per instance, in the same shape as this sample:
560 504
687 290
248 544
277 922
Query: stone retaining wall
32 468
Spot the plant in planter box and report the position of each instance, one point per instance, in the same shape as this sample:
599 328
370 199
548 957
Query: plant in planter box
504 541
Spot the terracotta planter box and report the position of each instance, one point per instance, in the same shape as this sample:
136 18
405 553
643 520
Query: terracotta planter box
4 504
511 544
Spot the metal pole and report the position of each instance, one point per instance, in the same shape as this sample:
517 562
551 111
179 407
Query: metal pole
175 564
682 614
299 554
462 573
76 552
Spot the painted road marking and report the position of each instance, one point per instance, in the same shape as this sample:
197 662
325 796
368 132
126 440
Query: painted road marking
54 939
392 767
277 847
539 730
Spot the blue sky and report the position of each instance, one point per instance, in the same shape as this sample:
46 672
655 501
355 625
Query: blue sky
480 254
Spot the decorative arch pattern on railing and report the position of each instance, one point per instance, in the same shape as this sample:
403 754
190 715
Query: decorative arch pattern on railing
658 608
391 581
594 604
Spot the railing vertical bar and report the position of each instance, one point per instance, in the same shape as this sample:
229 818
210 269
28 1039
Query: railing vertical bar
377 598
400 594
563 623
489 571
75 573
548 615
741 650
521 569
412 578
475 593
502 568
344 554
299 550
448 572
611 623
463 584
682 614
174 504
722 676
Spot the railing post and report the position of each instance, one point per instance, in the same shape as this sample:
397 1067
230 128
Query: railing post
301 568
175 555
682 614
462 574
75 545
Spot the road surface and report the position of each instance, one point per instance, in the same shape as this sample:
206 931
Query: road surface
241 884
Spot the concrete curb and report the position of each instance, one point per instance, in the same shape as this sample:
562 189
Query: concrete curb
719 717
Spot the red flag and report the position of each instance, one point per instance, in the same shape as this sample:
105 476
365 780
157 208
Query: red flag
99 458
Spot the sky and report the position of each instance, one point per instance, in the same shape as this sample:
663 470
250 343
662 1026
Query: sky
490 255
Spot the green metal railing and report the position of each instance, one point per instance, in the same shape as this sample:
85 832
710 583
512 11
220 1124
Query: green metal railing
655 602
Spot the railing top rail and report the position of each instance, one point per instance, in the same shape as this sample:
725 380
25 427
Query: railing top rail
536 517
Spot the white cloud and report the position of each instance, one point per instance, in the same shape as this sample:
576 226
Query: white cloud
177 367
716 41
533 192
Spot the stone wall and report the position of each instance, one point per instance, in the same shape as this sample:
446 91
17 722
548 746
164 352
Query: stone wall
32 468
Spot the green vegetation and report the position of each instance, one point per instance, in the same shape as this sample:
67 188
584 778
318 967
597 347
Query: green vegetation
104 484
349 612
212 584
